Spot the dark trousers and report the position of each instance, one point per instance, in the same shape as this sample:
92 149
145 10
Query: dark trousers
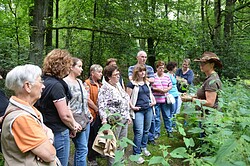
94 127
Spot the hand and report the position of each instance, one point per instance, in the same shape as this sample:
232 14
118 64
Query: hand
136 108
152 104
186 98
104 121
72 134
91 118
39 159
77 127
129 120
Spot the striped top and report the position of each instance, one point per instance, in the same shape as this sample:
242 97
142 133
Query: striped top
161 83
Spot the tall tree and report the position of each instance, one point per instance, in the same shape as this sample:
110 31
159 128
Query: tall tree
39 13
49 19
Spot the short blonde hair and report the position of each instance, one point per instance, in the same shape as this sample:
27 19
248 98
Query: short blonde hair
187 60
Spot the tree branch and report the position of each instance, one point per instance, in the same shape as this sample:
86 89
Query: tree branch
99 30
242 6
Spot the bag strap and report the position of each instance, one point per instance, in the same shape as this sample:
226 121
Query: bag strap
81 94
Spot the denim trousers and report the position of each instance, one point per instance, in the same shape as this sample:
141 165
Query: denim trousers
173 109
166 116
81 147
141 126
152 131
62 145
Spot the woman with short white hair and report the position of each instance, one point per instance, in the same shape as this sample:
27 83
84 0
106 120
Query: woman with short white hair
25 139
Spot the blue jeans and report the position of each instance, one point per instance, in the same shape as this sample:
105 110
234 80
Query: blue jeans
173 109
141 126
81 147
174 106
152 131
166 116
62 145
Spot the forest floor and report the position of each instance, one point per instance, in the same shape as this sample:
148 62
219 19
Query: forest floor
175 142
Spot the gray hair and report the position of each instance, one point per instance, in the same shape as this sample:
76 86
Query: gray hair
16 78
95 67
141 52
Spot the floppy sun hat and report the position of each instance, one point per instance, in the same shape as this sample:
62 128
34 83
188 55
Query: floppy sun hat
211 58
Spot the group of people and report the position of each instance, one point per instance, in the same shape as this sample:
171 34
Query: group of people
40 118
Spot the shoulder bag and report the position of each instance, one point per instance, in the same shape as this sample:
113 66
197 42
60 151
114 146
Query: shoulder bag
81 118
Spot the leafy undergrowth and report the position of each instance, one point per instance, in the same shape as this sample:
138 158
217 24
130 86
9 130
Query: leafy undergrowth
226 140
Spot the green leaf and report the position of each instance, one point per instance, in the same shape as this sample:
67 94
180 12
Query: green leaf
107 136
196 130
125 139
228 146
104 127
134 157
179 153
247 138
165 153
118 156
188 142
182 131
158 160
239 163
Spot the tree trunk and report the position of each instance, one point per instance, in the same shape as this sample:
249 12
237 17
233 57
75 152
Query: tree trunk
151 40
151 52
57 30
38 30
229 22
91 52
203 24
217 25
49 26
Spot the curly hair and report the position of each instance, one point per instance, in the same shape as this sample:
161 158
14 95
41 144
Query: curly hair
57 63
138 68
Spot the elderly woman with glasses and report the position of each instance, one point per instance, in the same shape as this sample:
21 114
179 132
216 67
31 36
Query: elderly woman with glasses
25 139
113 100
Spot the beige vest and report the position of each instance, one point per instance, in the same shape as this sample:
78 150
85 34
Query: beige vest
12 154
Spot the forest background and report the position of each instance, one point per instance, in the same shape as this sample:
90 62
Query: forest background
95 30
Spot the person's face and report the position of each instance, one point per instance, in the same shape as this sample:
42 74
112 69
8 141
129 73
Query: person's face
160 70
142 58
115 77
175 68
36 88
113 63
185 65
142 74
77 69
97 74
205 66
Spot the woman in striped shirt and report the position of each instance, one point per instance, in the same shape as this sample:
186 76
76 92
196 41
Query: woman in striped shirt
162 84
